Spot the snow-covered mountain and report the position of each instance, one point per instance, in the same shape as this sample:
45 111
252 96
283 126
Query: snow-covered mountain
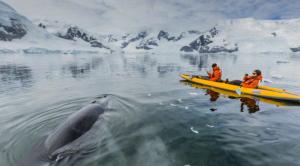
243 35
253 35
12 25
146 40
235 35
210 42
19 34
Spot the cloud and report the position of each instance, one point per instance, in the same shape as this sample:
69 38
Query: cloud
121 15
259 9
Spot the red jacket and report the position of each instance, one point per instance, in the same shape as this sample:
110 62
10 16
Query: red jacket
216 75
251 81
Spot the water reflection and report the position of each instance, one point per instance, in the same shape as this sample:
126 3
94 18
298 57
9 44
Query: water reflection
13 75
140 63
251 104
80 70
201 61
167 68
213 95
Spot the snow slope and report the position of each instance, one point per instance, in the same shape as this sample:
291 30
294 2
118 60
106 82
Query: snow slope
263 35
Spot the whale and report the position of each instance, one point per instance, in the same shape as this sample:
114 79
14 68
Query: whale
74 127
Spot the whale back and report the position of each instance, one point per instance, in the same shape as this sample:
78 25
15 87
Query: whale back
74 127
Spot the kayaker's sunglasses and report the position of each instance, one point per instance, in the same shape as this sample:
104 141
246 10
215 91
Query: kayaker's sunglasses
254 73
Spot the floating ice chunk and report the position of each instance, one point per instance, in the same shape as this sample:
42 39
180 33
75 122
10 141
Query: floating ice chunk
149 94
36 50
277 76
186 107
7 51
80 52
267 80
173 105
210 126
179 100
194 131
193 93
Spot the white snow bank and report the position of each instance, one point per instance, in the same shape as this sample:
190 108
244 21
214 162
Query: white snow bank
35 50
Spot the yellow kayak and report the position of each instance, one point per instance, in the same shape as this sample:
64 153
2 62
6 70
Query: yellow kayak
231 94
262 91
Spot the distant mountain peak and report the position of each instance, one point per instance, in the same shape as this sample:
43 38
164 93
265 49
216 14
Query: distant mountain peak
205 43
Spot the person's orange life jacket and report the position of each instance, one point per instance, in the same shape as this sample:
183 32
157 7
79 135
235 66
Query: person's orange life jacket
216 75
252 82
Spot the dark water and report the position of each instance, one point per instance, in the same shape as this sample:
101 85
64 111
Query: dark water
155 119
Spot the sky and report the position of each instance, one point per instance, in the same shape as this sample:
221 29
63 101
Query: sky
105 15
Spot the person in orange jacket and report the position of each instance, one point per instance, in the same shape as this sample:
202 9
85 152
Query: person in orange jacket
216 75
252 81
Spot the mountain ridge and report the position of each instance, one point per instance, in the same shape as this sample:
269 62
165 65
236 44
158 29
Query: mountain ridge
237 35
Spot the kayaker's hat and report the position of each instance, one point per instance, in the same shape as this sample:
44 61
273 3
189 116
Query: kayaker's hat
257 72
